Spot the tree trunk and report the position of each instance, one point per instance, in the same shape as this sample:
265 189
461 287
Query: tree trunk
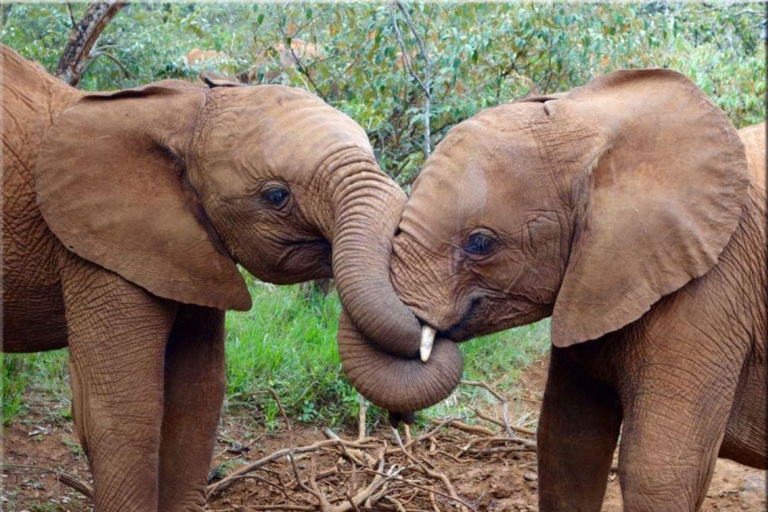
83 37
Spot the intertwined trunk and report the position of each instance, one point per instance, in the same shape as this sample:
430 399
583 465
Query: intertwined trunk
378 335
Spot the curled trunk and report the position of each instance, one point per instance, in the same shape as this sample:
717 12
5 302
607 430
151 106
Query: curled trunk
379 336
394 383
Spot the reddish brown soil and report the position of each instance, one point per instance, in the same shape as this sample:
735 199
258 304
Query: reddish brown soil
487 478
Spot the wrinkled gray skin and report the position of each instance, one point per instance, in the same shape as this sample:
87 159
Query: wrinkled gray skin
633 213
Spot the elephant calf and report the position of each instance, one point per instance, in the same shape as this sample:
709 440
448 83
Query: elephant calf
124 216
633 213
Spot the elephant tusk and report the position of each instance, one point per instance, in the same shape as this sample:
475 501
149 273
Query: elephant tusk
427 340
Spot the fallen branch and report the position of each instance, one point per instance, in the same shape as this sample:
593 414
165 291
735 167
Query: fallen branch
499 397
65 478
361 416
279 454
516 428
434 474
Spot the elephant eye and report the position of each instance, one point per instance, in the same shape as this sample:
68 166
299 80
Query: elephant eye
276 196
480 244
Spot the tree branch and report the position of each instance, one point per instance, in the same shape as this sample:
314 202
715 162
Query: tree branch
97 54
426 83
83 37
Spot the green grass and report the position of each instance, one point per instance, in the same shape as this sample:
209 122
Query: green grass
287 342
40 374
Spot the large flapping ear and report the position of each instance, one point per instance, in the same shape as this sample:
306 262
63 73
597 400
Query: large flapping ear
112 186
663 183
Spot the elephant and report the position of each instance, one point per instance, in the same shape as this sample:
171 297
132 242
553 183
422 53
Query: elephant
125 215
632 213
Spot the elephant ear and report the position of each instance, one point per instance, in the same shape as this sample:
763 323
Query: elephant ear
663 182
112 186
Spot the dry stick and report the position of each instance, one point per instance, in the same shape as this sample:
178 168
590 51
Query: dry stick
452 457
529 445
424 437
516 428
380 479
282 412
433 474
272 484
351 484
361 415
352 457
499 397
64 478
434 502
320 497
408 437
398 506
471 429
297 508
279 454
314 491
410 483
351 501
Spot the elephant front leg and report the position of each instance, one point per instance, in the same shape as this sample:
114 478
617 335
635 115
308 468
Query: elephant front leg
577 434
194 391
675 420
117 338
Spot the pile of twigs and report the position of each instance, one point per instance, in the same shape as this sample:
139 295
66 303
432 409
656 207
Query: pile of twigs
383 472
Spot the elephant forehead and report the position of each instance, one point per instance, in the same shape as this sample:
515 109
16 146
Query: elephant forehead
281 134
482 178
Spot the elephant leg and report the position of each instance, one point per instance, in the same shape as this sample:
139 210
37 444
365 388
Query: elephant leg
577 434
117 338
675 420
194 392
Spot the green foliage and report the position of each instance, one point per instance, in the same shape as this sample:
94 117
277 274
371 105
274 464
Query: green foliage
24 375
481 54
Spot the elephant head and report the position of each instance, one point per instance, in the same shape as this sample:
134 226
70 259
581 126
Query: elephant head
170 185
588 207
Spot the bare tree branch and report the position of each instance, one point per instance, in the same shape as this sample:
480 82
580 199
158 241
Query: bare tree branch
95 55
71 16
424 84
83 37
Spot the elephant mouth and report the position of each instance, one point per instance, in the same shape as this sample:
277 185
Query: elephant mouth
319 251
305 259
460 330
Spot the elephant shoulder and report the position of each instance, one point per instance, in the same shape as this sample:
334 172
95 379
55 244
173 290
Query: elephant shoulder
32 99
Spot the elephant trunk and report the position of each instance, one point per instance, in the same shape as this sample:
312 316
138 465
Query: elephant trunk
379 336
393 383
368 206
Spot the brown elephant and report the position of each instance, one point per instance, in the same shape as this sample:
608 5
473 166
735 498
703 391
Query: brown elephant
632 212
124 216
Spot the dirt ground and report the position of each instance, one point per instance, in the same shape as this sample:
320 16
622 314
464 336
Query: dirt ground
483 469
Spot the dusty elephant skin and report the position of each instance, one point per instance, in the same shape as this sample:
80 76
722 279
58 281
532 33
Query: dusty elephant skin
124 216
633 213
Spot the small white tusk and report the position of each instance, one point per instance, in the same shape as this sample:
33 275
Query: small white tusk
427 339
